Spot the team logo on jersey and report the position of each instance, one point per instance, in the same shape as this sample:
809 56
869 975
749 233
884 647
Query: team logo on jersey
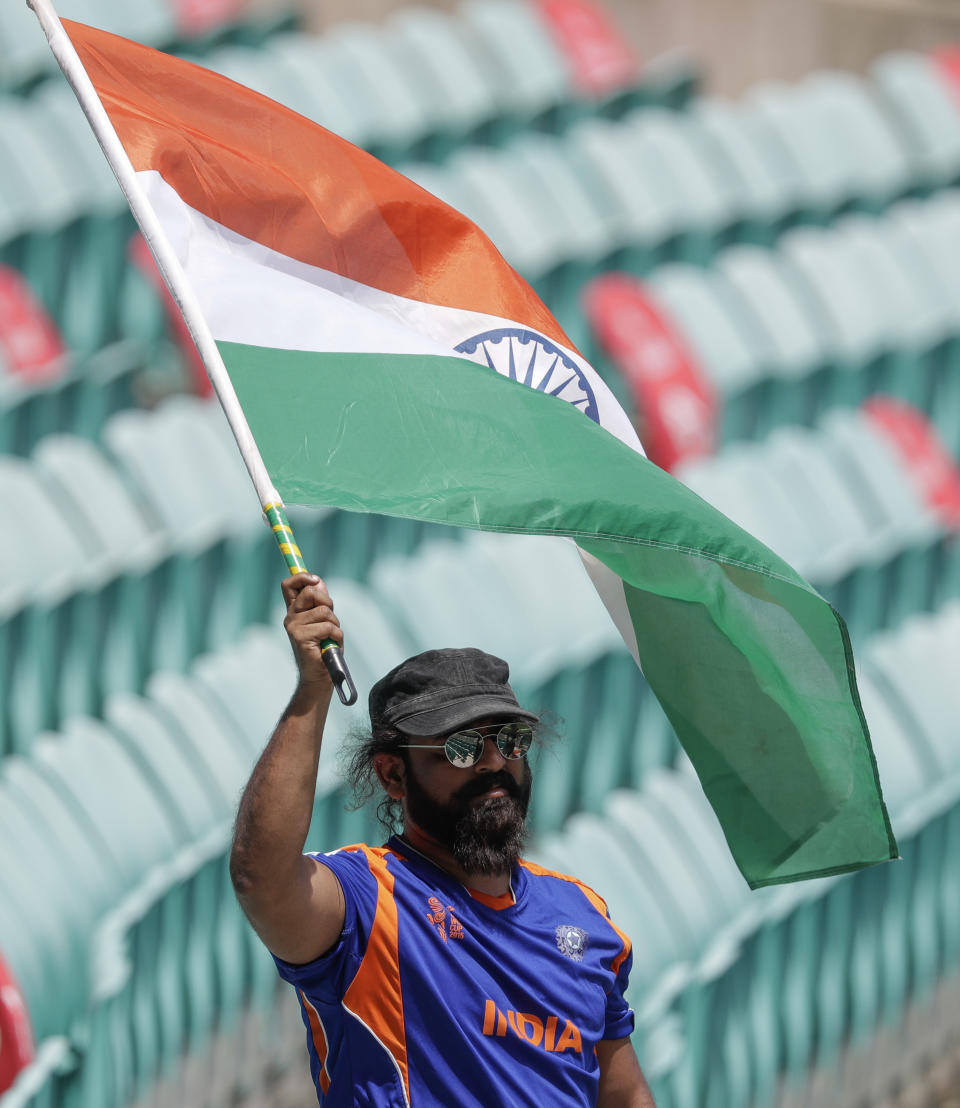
443 919
572 941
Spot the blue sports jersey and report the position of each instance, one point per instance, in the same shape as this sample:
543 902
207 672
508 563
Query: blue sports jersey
439 996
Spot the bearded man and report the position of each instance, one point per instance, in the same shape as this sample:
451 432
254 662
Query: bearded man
440 970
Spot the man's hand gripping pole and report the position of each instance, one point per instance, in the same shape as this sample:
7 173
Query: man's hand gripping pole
332 654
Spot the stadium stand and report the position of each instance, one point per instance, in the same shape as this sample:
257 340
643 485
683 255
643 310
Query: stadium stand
748 275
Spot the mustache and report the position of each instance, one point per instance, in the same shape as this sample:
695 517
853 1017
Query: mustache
487 781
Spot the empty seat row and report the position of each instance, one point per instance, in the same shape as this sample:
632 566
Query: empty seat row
736 992
772 336
136 812
141 557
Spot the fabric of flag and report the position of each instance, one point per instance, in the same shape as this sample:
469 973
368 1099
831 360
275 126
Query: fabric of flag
389 360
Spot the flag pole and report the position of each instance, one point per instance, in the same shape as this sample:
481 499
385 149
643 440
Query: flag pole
176 280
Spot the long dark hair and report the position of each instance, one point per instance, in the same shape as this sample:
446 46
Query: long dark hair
360 747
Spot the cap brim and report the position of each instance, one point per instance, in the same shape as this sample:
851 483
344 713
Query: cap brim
462 713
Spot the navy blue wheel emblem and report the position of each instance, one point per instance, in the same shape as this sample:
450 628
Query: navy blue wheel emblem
532 360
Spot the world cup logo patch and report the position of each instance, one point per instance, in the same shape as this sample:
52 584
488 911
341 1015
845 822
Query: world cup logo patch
572 941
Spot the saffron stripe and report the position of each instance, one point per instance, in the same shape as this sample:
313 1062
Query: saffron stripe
270 174
374 995
318 1035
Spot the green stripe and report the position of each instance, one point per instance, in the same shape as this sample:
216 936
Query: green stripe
751 665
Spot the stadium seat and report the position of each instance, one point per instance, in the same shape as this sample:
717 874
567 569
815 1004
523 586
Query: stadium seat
447 74
785 327
770 192
861 347
851 113
709 201
718 332
922 105
374 73
312 87
525 64
637 192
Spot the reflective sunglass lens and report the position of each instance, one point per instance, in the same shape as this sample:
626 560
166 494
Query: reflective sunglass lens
514 740
463 749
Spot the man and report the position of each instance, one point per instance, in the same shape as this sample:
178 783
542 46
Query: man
440 969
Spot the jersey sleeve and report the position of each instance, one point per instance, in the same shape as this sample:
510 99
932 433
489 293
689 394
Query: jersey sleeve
619 1020
329 976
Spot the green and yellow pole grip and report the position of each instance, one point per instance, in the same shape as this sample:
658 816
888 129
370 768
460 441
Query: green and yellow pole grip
332 654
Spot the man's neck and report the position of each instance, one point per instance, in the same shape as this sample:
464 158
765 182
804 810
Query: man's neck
491 884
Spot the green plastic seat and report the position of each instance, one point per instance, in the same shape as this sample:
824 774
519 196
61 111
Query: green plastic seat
116 525
917 324
253 709
206 736
70 904
785 327
86 308
37 636
822 161
108 791
524 62
769 187
260 71
506 202
905 532
158 752
858 330
708 201
856 123
644 215
712 321
922 105
824 503
586 238
41 202
445 72
42 1083
326 93
163 453
372 66
23 48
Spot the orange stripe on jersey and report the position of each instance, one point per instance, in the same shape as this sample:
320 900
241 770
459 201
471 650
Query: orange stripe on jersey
597 901
319 1035
374 995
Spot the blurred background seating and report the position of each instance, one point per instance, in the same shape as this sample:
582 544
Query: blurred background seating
762 263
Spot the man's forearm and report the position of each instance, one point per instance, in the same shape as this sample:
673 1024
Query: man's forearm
277 804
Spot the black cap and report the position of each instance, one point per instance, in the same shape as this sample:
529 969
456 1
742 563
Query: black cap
439 691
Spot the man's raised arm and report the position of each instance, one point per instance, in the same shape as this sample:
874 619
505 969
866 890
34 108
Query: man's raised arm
294 903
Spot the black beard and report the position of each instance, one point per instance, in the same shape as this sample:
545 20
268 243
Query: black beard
487 839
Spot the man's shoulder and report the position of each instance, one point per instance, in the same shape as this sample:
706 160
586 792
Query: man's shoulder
358 856
536 871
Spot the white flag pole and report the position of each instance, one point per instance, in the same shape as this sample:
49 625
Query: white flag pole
177 282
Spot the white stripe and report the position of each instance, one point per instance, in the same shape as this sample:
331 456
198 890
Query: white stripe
254 295
323 1031
610 589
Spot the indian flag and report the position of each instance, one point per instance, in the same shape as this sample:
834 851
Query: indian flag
387 359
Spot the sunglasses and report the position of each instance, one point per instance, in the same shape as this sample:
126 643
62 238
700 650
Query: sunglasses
464 748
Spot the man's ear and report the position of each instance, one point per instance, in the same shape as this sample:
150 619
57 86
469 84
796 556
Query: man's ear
391 772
